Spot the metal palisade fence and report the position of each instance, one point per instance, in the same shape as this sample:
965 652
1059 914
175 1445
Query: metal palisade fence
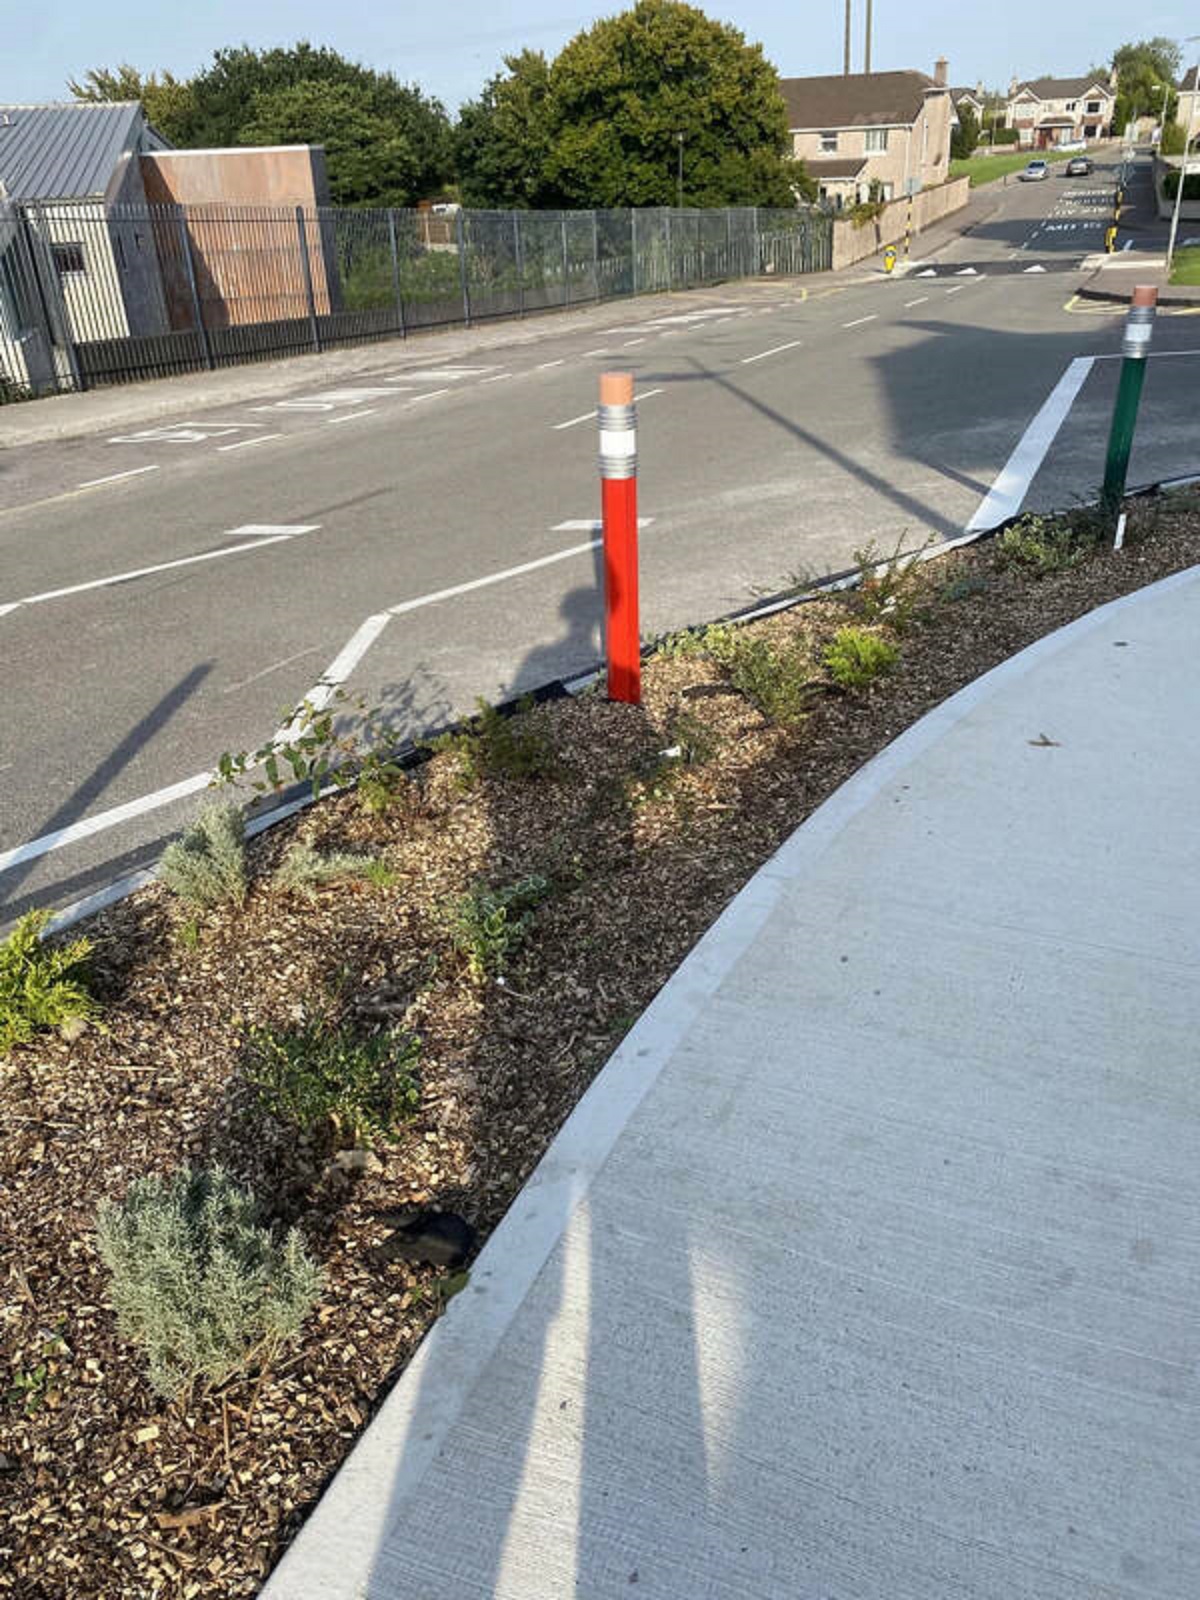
94 294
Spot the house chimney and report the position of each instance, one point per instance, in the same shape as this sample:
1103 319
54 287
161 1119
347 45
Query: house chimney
941 69
1013 86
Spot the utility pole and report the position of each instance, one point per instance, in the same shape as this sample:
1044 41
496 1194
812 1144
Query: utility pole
846 52
679 179
867 54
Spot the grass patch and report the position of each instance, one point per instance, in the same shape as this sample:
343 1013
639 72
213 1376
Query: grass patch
986 169
1185 265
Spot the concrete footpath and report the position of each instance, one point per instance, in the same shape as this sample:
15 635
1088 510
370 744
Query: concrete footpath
868 1267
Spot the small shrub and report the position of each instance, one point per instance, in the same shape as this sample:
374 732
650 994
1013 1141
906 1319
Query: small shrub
856 658
1043 545
493 745
685 645
322 1080
890 588
966 587
198 1281
304 869
41 985
777 676
487 926
207 867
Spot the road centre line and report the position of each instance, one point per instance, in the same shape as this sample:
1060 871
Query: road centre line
1004 498
243 443
162 566
919 301
498 377
114 477
956 288
628 342
587 416
350 416
858 321
775 351
543 365
430 394
601 350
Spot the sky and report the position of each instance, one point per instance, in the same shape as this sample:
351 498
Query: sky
451 51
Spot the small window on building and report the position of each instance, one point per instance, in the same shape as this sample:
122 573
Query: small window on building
876 142
1093 106
828 144
68 257
1071 104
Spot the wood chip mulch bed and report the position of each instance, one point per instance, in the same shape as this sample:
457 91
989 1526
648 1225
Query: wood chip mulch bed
108 1492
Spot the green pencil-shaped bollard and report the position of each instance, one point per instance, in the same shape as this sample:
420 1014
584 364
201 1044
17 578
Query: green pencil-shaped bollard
1135 347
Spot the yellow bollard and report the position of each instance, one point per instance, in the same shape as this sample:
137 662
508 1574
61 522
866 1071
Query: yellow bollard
1110 240
889 259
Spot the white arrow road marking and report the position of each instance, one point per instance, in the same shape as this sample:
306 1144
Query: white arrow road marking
928 273
966 272
1035 269
163 566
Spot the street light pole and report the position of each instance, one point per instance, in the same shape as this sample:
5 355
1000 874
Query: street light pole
679 182
1183 171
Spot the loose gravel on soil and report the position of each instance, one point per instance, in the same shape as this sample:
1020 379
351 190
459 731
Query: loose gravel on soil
106 1491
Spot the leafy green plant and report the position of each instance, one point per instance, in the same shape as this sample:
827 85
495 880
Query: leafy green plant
890 588
207 867
487 926
343 741
41 985
304 869
199 1281
32 1386
1043 545
855 658
965 587
493 745
322 1079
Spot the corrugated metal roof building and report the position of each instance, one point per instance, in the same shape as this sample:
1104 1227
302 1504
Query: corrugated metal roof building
71 151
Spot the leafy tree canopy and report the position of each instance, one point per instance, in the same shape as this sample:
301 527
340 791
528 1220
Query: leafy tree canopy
368 159
1144 70
601 125
166 100
965 137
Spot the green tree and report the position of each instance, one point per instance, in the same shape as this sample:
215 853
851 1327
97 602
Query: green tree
1143 71
965 137
502 140
367 157
166 100
601 125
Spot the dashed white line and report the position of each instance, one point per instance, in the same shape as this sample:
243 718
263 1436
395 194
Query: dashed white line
628 342
777 350
587 416
430 394
601 351
498 377
858 321
956 288
648 394
352 416
590 525
244 444
919 301
543 365
114 477
492 577
162 566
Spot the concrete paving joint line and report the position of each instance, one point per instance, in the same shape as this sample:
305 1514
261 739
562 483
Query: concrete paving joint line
389 1463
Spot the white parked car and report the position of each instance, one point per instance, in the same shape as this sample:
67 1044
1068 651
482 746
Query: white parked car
1035 171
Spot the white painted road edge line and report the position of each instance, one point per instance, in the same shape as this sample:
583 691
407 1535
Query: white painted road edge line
162 566
338 670
34 848
858 321
492 577
1004 498
352 416
778 350
244 444
115 477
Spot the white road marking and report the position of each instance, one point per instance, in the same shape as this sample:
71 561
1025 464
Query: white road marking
590 525
268 530
351 416
34 848
966 272
587 416
431 394
600 351
162 566
919 301
778 350
543 365
1004 498
338 670
492 577
858 321
956 288
242 683
328 400
1035 269
628 342
498 377
438 374
242 444
114 477
928 273
183 432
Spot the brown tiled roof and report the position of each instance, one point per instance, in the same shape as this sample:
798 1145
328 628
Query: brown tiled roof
834 167
859 100
1062 88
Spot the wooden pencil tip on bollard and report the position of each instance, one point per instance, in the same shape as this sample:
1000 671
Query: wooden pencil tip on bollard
617 416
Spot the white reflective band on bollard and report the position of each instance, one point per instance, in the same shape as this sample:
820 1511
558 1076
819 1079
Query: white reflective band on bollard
618 441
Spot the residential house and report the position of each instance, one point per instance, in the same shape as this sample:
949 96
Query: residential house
871 135
1054 111
1187 113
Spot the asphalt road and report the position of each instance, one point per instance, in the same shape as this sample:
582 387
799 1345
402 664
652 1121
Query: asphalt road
166 588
